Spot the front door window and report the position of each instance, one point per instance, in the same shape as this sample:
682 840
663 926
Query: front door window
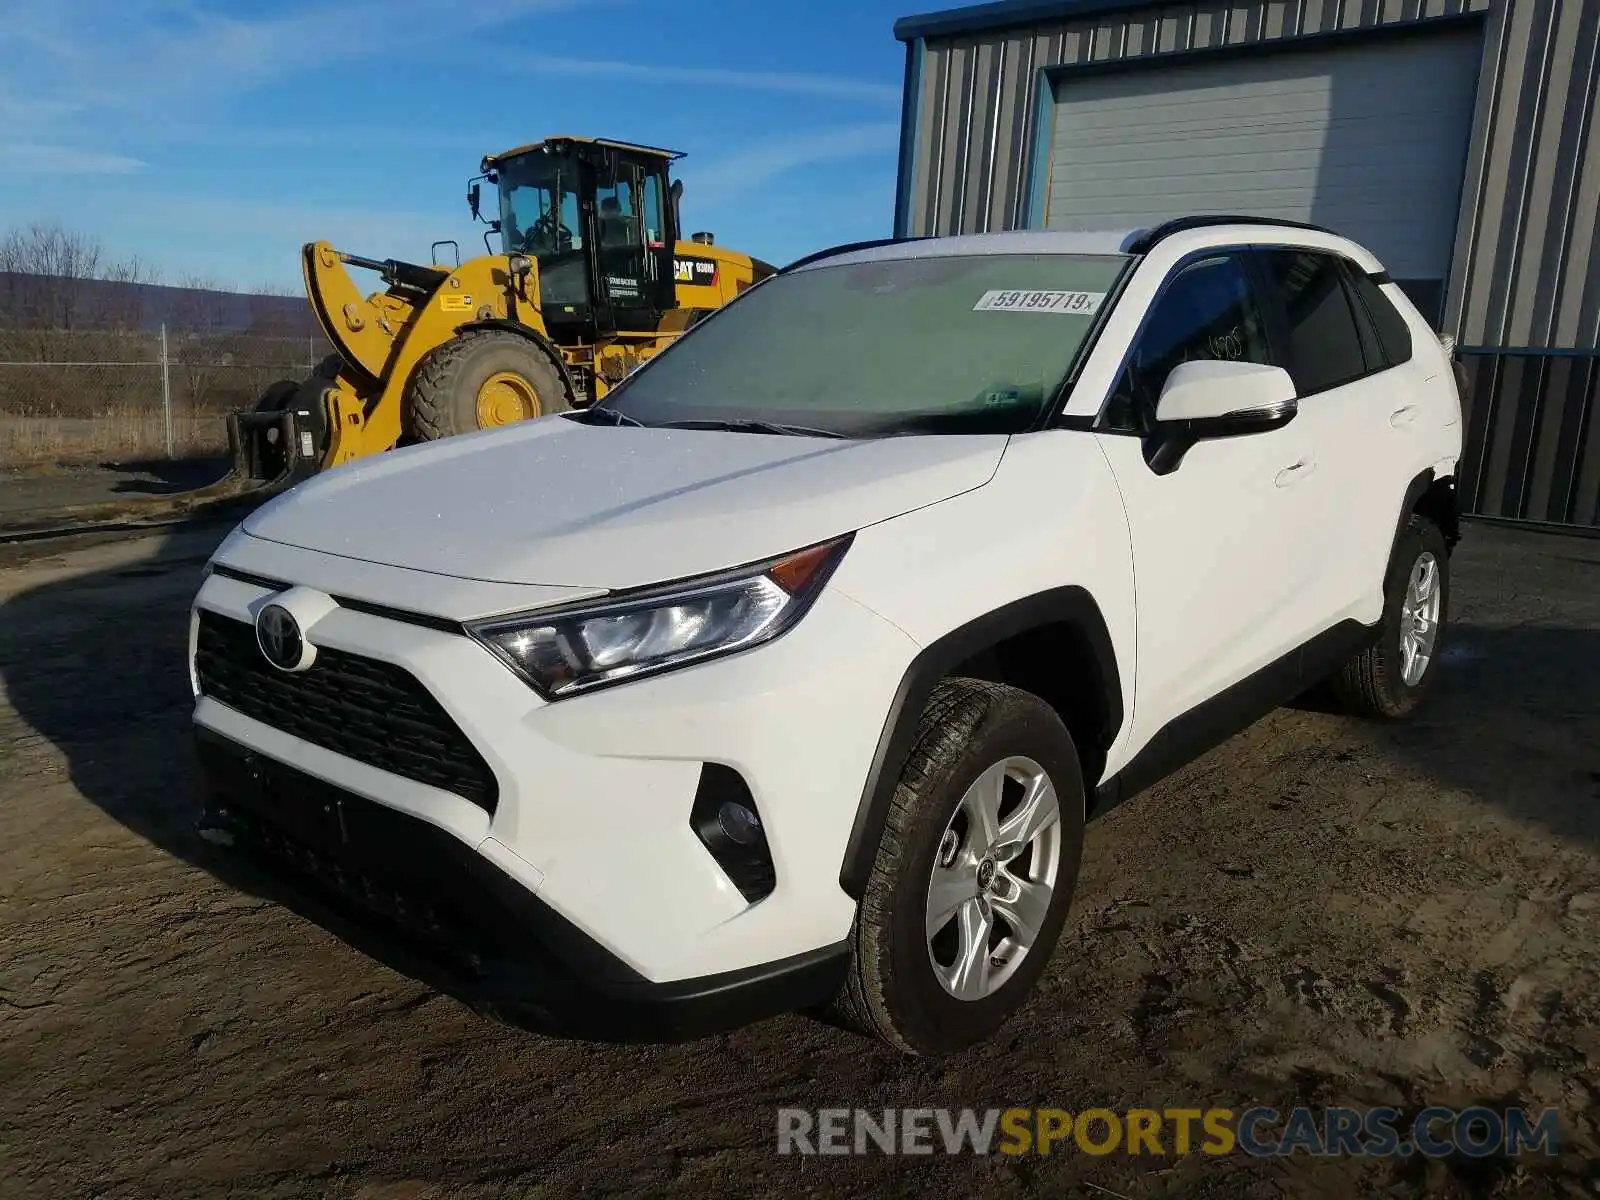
1207 311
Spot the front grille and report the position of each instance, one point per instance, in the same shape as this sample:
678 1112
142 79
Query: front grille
374 712
413 886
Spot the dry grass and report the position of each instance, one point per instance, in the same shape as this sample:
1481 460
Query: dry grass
119 436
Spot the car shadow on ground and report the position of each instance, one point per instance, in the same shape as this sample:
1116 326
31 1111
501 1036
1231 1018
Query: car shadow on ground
162 476
1513 719
96 665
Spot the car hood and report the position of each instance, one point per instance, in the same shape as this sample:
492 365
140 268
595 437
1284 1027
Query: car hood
556 502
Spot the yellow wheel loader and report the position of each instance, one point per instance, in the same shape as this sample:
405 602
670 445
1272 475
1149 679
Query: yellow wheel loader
591 278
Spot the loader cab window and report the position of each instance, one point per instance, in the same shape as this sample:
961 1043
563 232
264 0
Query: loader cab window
539 217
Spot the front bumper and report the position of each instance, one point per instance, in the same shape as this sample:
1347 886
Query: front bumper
416 898
591 807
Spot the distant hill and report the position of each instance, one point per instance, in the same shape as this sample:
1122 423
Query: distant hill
51 302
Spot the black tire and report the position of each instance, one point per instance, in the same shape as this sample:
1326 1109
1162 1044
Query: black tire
891 991
1372 681
441 398
277 395
329 367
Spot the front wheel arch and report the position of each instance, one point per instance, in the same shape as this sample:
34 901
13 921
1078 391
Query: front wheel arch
1072 606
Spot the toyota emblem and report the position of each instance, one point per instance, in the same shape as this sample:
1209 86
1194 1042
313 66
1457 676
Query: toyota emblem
278 634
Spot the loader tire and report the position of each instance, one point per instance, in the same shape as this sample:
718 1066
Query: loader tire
480 381
277 395
329 367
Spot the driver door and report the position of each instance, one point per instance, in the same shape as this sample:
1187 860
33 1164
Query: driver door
1221 545
631 250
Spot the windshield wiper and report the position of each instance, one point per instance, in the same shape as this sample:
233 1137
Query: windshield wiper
744 425
590 416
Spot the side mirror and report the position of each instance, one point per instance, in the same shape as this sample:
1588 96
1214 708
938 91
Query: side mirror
1207 399
1226 399
474 200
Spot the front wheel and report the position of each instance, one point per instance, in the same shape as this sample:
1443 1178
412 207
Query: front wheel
481 380
974 875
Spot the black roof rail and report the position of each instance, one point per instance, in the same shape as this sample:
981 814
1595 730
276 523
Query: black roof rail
849 248
1146 240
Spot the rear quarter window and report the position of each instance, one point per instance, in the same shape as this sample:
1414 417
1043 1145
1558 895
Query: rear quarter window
1393 332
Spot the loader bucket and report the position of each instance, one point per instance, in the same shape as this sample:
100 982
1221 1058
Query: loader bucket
273 450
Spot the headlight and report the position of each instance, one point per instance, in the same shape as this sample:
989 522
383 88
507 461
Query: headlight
586 646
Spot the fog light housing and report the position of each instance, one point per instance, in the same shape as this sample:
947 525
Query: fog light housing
725 819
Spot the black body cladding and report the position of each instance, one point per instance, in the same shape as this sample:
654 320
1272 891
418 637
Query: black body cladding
1072 606
423 902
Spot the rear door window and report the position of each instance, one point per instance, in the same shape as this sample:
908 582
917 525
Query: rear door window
1323 344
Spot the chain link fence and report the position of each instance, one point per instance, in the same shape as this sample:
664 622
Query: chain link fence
83 396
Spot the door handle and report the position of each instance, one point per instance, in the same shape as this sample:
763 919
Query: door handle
1401 417
1295 472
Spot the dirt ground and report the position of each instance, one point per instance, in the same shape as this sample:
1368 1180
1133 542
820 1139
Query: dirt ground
1319 912
42 487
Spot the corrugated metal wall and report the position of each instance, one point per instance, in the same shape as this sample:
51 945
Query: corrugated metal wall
1527 247
1533 438
978 102
1527 263
1367 137
1526 268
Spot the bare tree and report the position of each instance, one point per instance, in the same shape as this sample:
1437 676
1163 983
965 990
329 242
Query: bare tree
202 339
56 278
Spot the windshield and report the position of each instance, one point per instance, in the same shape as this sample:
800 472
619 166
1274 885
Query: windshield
977 343
539 217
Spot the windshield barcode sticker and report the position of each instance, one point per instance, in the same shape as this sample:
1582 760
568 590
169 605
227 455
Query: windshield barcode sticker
1077 303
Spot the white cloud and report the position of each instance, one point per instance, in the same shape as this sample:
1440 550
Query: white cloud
141 52
726 178
27 158
77 74
77 69
378 233
769 81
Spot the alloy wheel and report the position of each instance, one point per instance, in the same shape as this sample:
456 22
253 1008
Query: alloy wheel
993 878
1419 619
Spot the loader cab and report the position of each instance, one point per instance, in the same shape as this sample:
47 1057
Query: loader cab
600 219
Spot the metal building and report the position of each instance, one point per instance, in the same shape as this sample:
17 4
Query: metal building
1460 139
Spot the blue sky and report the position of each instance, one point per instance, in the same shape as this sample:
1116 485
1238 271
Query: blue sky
213 137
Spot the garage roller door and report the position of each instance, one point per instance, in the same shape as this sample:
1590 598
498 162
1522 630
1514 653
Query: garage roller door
1366 138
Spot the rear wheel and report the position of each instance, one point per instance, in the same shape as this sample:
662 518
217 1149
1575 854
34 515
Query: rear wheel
974 875
482 380
1388 677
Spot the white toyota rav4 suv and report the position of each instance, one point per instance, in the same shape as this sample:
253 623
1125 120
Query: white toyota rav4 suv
785 677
